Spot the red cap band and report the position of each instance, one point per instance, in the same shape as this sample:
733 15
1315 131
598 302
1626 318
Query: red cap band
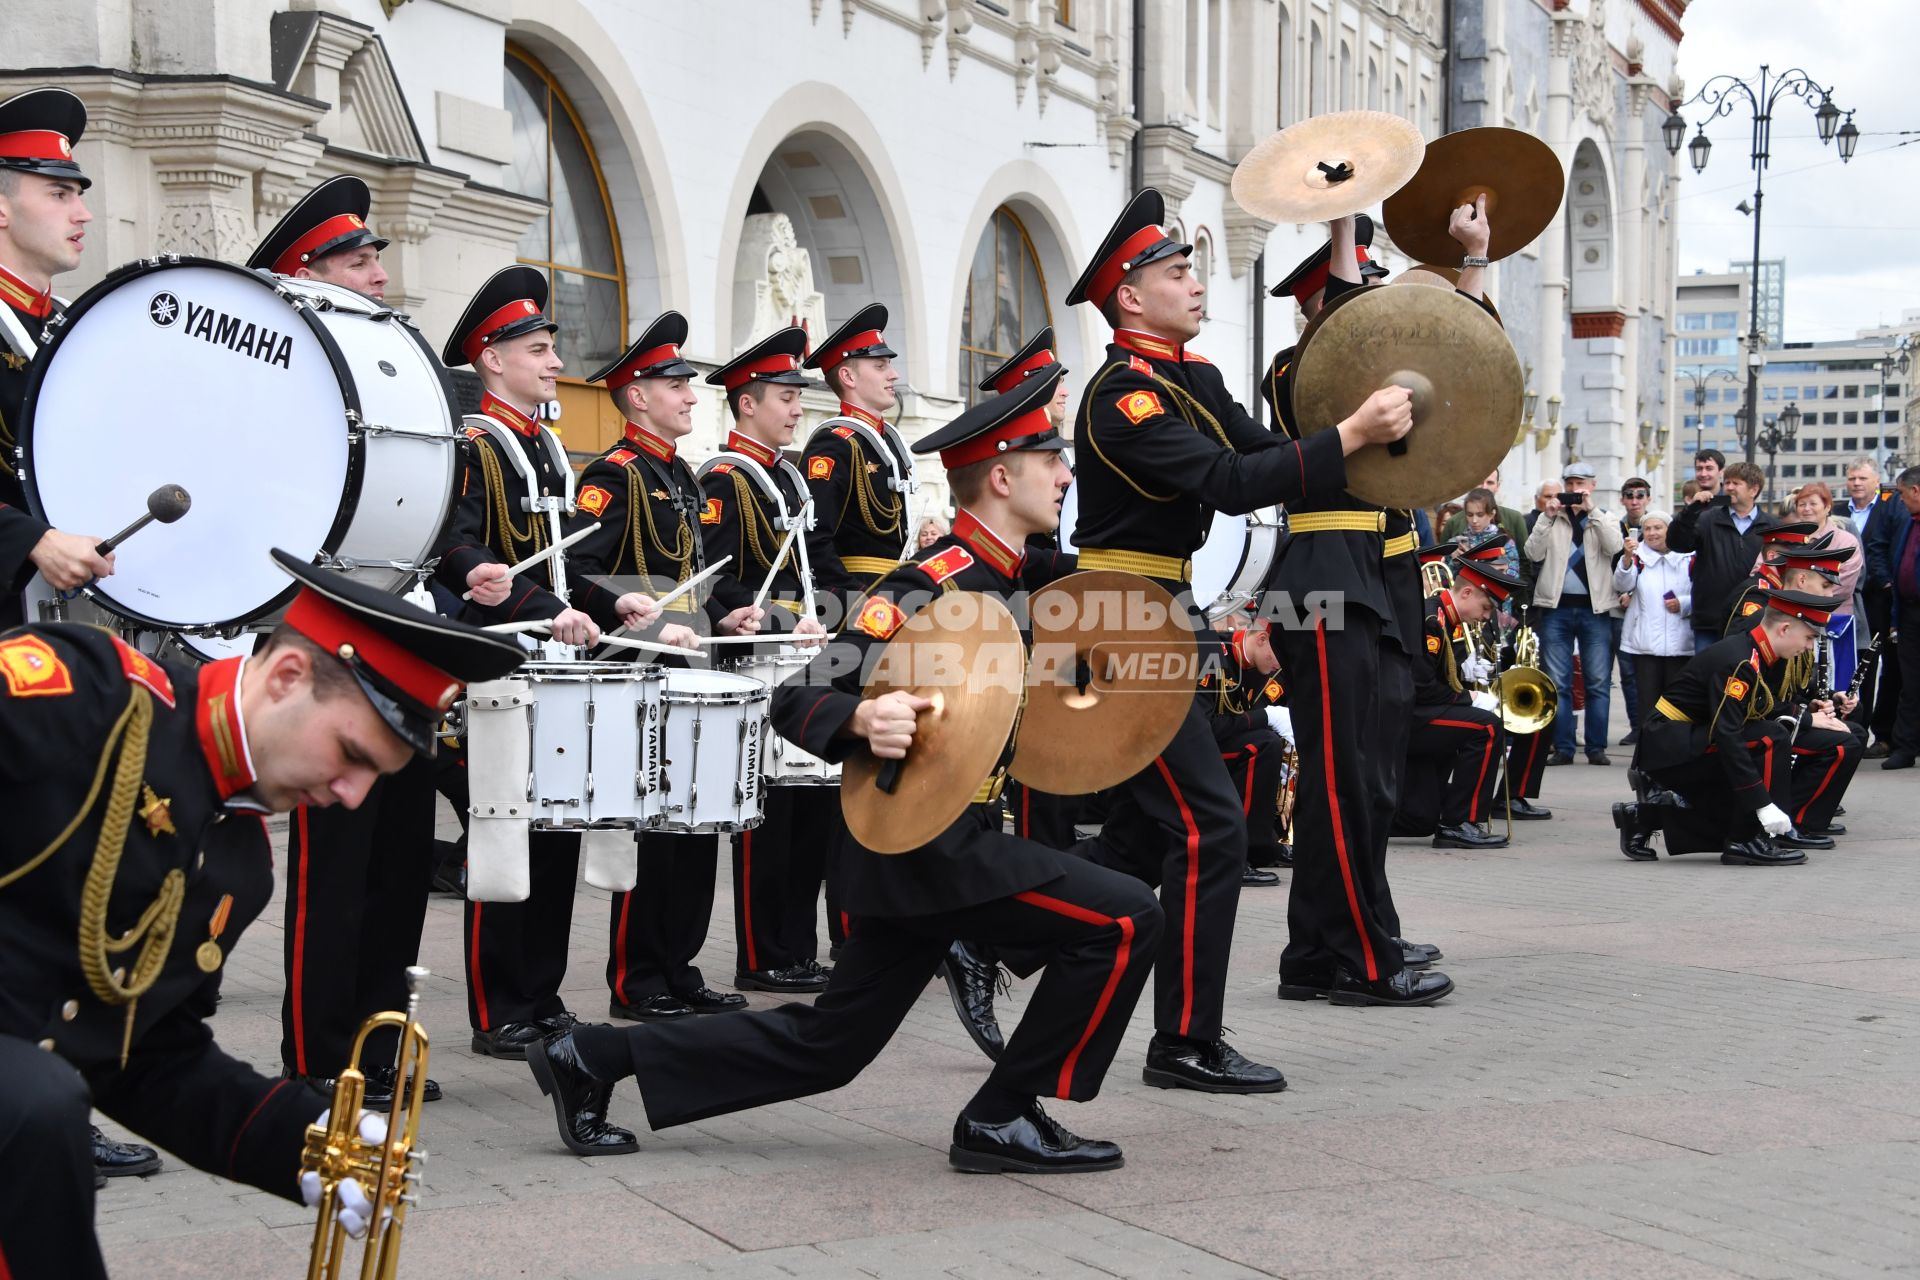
35 144
476 339
1013 377
1805 612
332 229
641 363
1316 280
783 363
1498 590
1034 422
852 342
329 626
1119 262
1792 536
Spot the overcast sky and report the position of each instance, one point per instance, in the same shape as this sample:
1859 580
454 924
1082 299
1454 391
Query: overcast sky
1850 233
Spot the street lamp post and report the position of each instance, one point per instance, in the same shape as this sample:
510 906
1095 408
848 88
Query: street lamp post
1777 434
1700 381
1722 93
1900 361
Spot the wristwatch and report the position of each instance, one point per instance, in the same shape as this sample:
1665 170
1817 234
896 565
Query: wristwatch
1474 260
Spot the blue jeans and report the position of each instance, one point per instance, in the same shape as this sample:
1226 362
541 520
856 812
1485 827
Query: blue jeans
1629 686
1703 639
1565 626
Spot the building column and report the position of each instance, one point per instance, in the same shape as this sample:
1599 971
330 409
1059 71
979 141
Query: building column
1550 362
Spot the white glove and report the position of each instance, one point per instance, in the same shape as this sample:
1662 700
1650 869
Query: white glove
1486 701
1775 820
1476 670
353 1209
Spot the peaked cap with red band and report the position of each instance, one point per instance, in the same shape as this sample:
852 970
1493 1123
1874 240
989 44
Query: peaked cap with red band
1311 275
331 218
654 354
513 302
1035 357
38 130
1804 605
410 664
1135 240
861 336
1818 556
1800 531
1481 565
775 358
1007 423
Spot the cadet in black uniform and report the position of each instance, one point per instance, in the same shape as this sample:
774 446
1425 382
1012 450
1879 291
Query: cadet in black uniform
1719 738
40 188
1093 929
1751 598
753 497
516 952
649 507
136 797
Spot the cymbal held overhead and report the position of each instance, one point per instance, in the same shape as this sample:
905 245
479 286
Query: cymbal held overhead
1327 167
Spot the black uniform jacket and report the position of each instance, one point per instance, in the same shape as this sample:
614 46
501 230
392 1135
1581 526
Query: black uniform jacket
191 837
1707 707
737 518
1445 645
959 868
489 524
1722 556
19 530
1233 693
854 512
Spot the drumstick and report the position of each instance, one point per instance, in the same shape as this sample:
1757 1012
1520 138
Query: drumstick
779 559
552 551
617 642
694 581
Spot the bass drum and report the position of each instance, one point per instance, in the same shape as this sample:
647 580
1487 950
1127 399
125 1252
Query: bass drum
1231 566
295 413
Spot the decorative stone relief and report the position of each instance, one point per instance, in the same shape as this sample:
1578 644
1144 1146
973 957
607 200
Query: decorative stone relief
773 281
1590 63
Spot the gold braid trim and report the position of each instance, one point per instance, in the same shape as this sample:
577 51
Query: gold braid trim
752 521
513 541
680 555
1452 663
1190 406
871 502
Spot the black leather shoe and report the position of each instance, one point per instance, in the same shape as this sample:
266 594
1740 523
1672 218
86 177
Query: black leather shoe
833 951
1032 1142
1467 836
1525 810
1258 876
1797 839
825 971
1560 757
1760 852
1272 855
1404 989
122 1159
707 1000
1414 955
1633 736
509 1040
652 1009
1305 986
794 977
380 1087
1879 750
1831 829
554 1023
1897 760
971 978
1209 1066
1839 811
1598 757
1635 841
579 1099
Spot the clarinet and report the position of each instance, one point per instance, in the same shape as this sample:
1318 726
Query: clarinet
1864 667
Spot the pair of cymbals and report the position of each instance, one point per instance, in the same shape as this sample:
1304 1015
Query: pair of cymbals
1328 166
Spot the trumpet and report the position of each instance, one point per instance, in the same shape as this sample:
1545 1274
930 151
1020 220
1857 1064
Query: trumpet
389 1170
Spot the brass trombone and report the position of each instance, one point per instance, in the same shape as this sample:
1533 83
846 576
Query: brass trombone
1528 699
388 1170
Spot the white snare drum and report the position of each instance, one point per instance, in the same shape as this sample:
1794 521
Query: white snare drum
590 734
787 764
296 414
1231 566
713 734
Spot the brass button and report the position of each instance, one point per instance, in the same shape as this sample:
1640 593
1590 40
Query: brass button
69 1011
119 976
47 1044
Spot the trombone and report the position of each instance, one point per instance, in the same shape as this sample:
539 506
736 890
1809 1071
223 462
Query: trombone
1525 698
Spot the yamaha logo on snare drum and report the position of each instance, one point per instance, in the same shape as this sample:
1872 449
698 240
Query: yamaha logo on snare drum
242 337
163 310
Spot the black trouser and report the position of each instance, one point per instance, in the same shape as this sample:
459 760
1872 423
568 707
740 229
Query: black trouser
659 926
517 951
1041 816
1096 931
778 867
1906 721
1527 764
1177 825
1655 673
1824 761
1458 747
1880 694
1348 691
357 882
46 1213
1253 759
1715 816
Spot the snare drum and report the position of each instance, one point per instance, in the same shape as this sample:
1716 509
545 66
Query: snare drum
589 733
784 763
713 734
296 414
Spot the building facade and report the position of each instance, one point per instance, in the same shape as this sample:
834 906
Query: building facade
790 160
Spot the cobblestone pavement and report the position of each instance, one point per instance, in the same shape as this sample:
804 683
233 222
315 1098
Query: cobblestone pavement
1671 1070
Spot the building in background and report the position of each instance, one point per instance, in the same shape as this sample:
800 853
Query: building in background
753 166
1709 372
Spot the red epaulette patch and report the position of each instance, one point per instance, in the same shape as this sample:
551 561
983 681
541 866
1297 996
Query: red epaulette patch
592 499
722 468
145 672
621 457
1195 357
1750 608
880 618
1736 688
474 433
845 433
1140 405
710 512
1274 691
1433 644
1138 365
946 564
32 669
820 468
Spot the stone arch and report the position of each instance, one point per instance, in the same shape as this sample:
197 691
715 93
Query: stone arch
1593 277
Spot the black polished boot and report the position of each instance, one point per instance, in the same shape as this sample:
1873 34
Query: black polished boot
656 1008
1415 955
1467 836
1798 839
1032 1142
579 1099
1525 810
707 1000
1258 877
1635 840
1208 1066
1760 851
509 1040
1405 989
122 1159
380 1086
801 978
971 976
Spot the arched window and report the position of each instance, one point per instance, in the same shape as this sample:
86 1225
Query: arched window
1346 76
1316 71
1006 300
577 242
1203 266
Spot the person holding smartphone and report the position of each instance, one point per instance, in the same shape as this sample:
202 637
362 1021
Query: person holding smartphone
1657 635
1574 544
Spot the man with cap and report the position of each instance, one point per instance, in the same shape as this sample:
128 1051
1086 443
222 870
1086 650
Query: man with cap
856 465
649 506
514 475
1575 545
1716 744
357 879
136 796
43 220
1453 750
755 497
1093 929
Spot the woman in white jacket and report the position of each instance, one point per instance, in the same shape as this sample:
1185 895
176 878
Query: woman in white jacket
1658 630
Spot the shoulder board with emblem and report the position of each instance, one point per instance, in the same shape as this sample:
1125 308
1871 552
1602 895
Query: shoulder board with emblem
144 671
721 468
1138 365
474 433
946 564
32 669
1194 357
845 433
621 457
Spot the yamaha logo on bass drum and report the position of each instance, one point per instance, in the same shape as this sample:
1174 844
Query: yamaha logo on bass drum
242 337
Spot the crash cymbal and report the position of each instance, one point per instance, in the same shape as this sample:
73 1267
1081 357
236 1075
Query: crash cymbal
1440 277
1453 356
1112 674
963 653
1327 166
1519 175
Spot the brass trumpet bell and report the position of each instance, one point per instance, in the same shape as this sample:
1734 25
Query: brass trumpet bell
1528 699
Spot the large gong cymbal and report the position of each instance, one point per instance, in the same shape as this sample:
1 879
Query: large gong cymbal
963 653
1327 166
1453 356
1112 674
1517 173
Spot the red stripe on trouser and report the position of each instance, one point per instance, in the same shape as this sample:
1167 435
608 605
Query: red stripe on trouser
1486 758
233 1152
1533 753
1026 812
1333 803
620 948
298 978
1120 956
6 1272
1253 763
1192 888
473 972
746 901
1839 755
